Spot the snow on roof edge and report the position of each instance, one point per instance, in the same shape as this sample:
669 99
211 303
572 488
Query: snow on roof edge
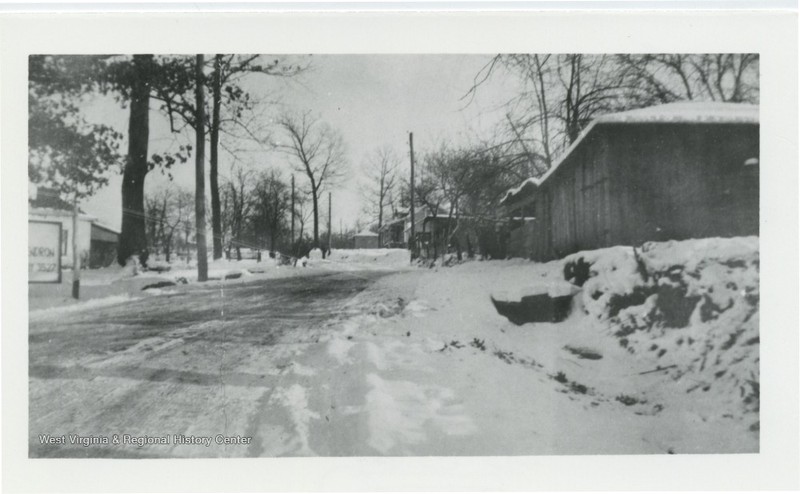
104 226
687 112
33 211
714 112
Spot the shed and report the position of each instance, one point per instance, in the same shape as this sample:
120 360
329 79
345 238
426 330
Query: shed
104 241
669 172
365 240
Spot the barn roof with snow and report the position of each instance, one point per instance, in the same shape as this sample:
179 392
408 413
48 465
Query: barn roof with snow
670 113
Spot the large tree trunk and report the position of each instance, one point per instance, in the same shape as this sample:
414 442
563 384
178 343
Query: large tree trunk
200 176
316 217
216 222
133 238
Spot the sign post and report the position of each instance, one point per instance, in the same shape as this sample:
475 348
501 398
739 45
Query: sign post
44 252
76 256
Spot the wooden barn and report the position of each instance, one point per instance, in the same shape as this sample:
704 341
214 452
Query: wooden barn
668 172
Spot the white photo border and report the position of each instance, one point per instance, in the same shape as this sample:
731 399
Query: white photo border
772 34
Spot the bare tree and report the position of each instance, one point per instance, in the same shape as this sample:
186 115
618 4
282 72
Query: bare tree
271 204
380 181
227 93
302 214
318 152
238 203
179 212
155 208
559 95
664 78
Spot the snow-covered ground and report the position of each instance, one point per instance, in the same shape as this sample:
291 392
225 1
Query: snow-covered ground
658 355
628 372
116 284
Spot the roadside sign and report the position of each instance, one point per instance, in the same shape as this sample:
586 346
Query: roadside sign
44 252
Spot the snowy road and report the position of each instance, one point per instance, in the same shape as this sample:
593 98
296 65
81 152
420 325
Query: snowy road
352 363
202 361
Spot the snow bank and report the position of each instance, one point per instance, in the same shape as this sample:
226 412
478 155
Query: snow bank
691 307
80 306
697 268
383 257
688 307
221 269
659 354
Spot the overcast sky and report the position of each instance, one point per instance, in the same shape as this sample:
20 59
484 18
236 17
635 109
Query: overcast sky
372 100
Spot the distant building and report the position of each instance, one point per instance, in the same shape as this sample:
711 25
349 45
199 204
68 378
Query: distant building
365 240
97 243
103 246
433 229
391 233
397 231
675 171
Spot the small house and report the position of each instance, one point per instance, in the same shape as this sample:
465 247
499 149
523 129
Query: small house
668 172
97 243
365 240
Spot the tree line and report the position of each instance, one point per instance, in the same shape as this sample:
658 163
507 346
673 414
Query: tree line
557 96
255 214
73 155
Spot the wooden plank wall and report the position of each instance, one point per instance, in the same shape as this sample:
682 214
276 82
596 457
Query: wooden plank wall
627 184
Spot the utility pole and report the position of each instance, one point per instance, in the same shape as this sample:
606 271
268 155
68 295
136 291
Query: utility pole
291 246
412 240
329 222
200 175
76 258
